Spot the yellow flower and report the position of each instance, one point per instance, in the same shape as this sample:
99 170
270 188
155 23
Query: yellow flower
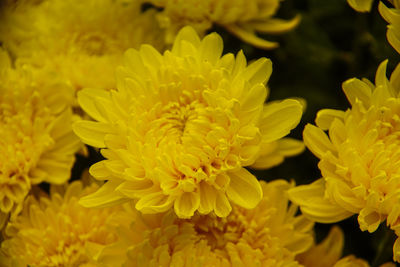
328 253
391 15
243 18
360 159
361 5
181 126
269 235
82 41
37 143
56 231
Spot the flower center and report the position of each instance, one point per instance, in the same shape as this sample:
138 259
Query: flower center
93 44
175 121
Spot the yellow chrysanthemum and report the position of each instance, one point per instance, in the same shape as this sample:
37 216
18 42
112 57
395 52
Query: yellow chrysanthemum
361 5
392 16
181 126
269 235
56 231
82 41
243 18
37 143
328 253
360 159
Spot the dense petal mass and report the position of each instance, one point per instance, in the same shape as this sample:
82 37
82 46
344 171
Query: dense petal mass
243 18
268 235
181 126
37 143
359 158
82 42
56 231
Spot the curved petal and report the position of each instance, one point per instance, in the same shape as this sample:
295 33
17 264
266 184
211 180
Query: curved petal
154 203
279 118
356 89
105 196
244 189
222 206
87 98
361 5
275 25
250 37
317 141
186 204
314 205
325 117
92 133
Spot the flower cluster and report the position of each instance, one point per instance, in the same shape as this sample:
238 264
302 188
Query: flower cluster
37 143
129 136
82 42
269 235
54 230
360 158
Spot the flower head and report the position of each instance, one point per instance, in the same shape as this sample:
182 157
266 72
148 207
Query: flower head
37 143
360 159
241 17
54 230
268 235
181 126
81 41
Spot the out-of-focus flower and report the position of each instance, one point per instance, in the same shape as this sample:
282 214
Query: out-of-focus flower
269 235
361 5
243 18
82 41
392 16
56 231
181 126
328 253
360 159
37 143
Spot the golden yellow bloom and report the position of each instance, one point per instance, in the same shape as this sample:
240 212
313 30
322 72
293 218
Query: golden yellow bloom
360 159
181 126
243 18
391 15
328 253
361 5
82 41
56 231
269 235
37 143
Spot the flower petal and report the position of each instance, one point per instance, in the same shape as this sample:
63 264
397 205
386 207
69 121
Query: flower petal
314 205
186 204
244 189
325 117
154 203
105 196
356 89
279 118
317 141
361 5
92 133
